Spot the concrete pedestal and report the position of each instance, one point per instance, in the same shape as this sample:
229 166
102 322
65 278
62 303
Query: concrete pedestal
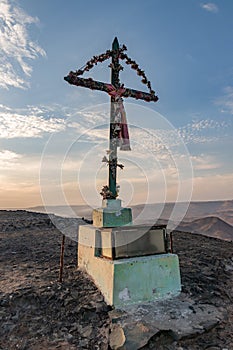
129 280
111 214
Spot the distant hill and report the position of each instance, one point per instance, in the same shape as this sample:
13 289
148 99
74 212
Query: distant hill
65 211
211 218
195 210
222 209
209 226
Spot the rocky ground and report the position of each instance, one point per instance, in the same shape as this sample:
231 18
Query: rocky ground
37 312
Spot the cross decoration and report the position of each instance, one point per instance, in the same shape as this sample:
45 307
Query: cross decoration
119 136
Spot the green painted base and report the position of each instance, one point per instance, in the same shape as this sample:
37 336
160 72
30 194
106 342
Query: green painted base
144 279
112 214
132 280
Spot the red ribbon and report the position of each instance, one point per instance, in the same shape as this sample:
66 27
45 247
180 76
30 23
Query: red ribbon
114 92
123 135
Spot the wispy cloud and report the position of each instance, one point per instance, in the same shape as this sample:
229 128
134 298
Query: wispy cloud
28 122
8 159
19 180
205 162
92 126
213 187
162 141
157 165
8 155
202 131
16 47
210 7
226 101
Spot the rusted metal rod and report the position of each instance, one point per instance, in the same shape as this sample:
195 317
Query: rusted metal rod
171 242
62 258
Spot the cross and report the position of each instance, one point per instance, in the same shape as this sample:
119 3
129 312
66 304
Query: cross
117 92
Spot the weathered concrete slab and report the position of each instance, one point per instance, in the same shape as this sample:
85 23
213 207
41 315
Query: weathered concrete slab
180 317
132 280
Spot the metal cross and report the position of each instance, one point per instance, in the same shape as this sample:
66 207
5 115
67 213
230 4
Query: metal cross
116 91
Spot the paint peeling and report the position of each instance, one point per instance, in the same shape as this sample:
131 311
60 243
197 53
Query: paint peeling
124 294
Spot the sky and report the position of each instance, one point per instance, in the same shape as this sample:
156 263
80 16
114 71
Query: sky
53 135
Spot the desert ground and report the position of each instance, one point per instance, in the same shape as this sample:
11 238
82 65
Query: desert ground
38 312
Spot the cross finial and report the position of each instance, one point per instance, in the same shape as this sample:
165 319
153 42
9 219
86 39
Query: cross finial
115 44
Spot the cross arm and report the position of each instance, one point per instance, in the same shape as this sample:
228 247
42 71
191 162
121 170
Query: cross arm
73 79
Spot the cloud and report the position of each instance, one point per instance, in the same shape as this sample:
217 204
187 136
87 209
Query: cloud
226 101
163 141
203 131
8 159
205 162
156 156
8 155
213 187
28 122
16 47
93 126
19 179
164 146
210 7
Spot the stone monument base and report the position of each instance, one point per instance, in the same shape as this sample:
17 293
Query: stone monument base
129 280
111 214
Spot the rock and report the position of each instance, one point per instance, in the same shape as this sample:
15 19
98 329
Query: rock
86 332
179 317
138 334
69 337
117 337
4 302
68 300
83 344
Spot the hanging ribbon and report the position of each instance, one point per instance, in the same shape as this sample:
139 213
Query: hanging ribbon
121 126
